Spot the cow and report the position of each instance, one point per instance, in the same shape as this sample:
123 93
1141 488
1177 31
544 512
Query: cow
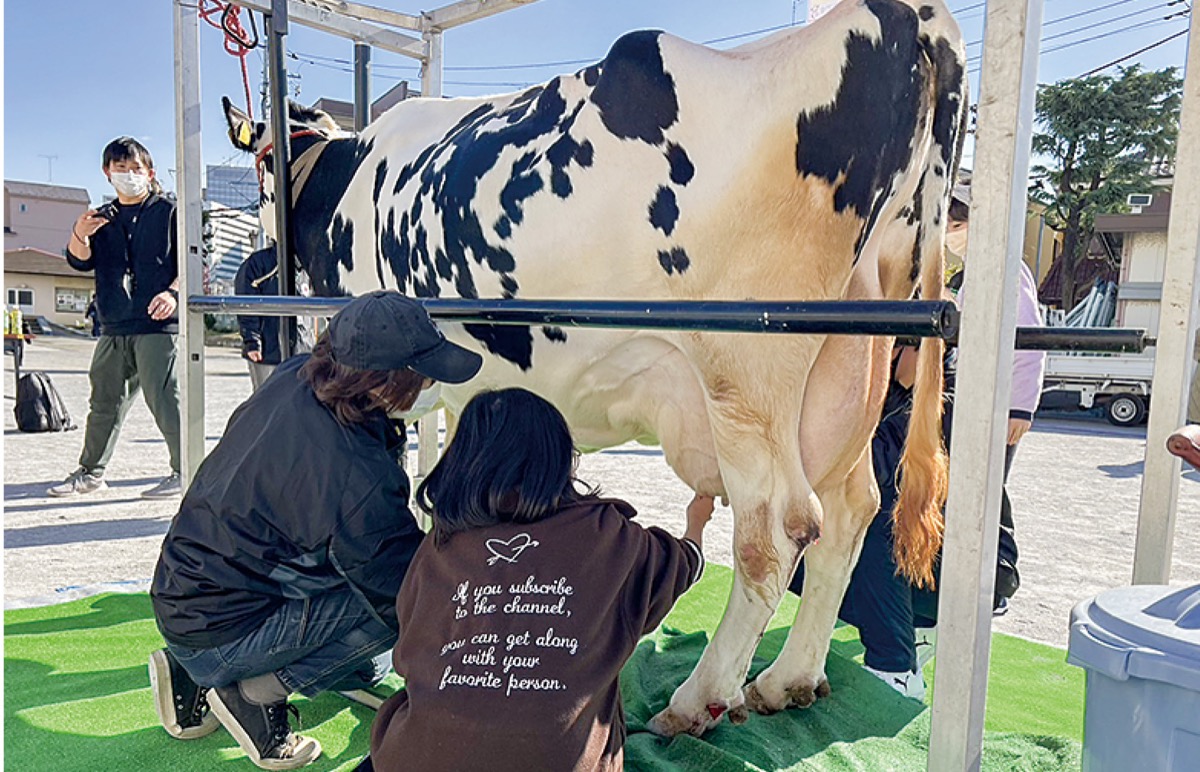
814 164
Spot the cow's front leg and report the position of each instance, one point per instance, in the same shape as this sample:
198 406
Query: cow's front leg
797 677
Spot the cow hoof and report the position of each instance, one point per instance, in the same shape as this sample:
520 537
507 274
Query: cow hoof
758 703
805 696
668 723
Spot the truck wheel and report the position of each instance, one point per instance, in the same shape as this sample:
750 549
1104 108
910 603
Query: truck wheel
1125 410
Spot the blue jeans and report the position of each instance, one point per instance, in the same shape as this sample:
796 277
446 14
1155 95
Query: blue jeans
329 641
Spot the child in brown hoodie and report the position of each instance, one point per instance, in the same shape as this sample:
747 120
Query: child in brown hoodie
521 607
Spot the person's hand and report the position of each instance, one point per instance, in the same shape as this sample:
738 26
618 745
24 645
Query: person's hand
88 223
1016 429
162 306
254 356
699 512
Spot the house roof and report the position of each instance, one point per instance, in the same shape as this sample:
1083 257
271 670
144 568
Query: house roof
1151 218
47 192
37 261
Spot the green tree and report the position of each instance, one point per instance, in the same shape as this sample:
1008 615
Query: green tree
1101 138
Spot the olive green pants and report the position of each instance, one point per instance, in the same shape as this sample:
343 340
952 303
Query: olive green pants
121 365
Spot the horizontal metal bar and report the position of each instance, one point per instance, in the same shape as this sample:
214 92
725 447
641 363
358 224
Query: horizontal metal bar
919 318
457 14
344 26
1116 340
370 13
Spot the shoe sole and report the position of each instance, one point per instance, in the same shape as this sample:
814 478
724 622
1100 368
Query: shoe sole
149 495
164 702
101 487
234 727
363 697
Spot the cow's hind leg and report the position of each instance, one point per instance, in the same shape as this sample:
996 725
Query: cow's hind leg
797 677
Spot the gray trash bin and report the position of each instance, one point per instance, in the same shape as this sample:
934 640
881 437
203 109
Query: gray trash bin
1140 647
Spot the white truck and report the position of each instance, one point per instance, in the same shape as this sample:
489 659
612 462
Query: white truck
1118 382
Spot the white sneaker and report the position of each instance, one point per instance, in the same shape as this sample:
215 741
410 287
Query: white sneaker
911 685
77 483
171 485
926 641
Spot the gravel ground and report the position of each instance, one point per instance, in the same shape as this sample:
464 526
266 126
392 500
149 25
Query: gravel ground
1074 485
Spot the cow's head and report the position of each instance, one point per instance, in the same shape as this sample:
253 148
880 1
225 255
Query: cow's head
255 137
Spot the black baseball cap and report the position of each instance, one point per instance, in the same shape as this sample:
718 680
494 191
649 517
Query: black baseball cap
384 330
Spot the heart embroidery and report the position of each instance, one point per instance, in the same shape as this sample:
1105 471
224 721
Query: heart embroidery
509 550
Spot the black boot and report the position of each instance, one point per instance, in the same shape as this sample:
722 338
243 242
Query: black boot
181 704
263 731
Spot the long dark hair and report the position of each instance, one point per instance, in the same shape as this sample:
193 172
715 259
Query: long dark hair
351 393
511 461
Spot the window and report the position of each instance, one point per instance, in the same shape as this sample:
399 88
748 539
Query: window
71 300
22 298
24 208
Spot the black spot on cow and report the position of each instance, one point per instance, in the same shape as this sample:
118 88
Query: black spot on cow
508 286
939 170
590 75
506 342
503 227
674 261
918 205
948 113
905 212
554 334
925 12
560 155
584 154
635 94
392 253
522 183
441 264
863 140
682 169
341 243
380 173
560 183
664 212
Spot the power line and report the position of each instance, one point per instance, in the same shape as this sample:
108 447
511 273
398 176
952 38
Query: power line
974 63
1164 41
1096 25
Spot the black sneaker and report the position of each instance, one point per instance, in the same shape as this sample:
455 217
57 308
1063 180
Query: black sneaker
181 704
263 731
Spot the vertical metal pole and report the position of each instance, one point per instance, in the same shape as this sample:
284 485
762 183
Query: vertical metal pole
189 216
1176 331
431 72
431 86
1006 112
362 86
277 30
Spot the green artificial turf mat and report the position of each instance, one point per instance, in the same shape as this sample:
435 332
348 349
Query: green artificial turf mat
77 697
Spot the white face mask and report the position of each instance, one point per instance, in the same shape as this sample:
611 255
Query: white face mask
956 242
427 400
131 184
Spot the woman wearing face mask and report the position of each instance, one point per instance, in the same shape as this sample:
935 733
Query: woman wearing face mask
130 246
280 571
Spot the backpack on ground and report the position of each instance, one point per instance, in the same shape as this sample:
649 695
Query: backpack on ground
40 408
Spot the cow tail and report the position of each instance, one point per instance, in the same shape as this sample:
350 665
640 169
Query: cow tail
917 518
917 521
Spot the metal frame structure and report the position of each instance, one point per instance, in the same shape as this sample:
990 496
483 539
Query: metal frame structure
1006 117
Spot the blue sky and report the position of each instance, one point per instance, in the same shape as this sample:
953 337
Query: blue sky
78 73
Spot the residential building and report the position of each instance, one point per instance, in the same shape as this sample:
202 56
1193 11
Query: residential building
41 216
41 283
342 112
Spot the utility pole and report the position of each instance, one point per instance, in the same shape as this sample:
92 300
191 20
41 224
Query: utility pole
50 159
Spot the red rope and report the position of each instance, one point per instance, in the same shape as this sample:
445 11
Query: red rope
237 41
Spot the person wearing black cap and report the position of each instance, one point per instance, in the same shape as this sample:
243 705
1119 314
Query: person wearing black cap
280 572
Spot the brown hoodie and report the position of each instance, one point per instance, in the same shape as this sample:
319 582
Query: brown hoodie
512 638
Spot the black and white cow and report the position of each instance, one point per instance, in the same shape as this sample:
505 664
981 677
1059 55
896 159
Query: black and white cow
813 164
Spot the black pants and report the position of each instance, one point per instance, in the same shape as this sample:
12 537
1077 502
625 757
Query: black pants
886 608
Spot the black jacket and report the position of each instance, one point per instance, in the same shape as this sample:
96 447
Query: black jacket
290 504
259 275
146 252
